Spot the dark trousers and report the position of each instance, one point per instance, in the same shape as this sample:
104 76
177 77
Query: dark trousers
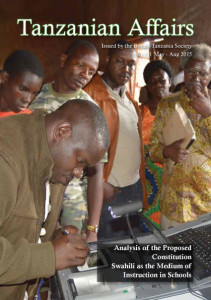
112 228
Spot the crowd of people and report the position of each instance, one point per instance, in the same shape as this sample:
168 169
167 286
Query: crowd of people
75 146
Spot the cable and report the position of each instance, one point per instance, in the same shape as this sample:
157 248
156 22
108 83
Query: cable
130 228
135 239
194 293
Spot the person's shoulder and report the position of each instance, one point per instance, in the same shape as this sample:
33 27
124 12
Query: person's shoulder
95 86
46 99
85 96
97 90
41 97
46 87
129 96
171 99
44 90
96 81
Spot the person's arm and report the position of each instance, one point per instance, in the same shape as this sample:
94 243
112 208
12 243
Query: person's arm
176 152
158 151
109 192
95 198
201 103
21 261
205 129
156 144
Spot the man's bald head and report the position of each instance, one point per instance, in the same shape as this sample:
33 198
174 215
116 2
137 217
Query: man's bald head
78 136
84 115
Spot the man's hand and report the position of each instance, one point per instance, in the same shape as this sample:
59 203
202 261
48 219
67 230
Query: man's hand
200 102
69 228
109 192
70 251
175 152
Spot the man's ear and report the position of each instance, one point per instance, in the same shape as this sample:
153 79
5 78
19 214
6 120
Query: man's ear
63 60
4 76
62 131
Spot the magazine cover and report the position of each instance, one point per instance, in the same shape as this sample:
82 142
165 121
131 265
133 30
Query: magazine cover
114 190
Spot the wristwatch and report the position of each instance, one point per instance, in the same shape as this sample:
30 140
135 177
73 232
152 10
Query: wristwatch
93 228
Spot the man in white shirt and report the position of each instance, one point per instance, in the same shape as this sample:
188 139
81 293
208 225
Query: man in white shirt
123 171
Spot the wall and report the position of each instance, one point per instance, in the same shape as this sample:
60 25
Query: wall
122 12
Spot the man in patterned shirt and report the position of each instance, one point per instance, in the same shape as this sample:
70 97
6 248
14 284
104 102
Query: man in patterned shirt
77 66
186 187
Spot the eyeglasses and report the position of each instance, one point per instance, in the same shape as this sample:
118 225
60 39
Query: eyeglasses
193 72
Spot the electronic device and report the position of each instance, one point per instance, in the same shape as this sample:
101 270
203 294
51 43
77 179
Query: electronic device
129 207
197 233
81 283
201 274
95 260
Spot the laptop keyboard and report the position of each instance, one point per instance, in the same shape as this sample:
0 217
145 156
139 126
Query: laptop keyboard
200 238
